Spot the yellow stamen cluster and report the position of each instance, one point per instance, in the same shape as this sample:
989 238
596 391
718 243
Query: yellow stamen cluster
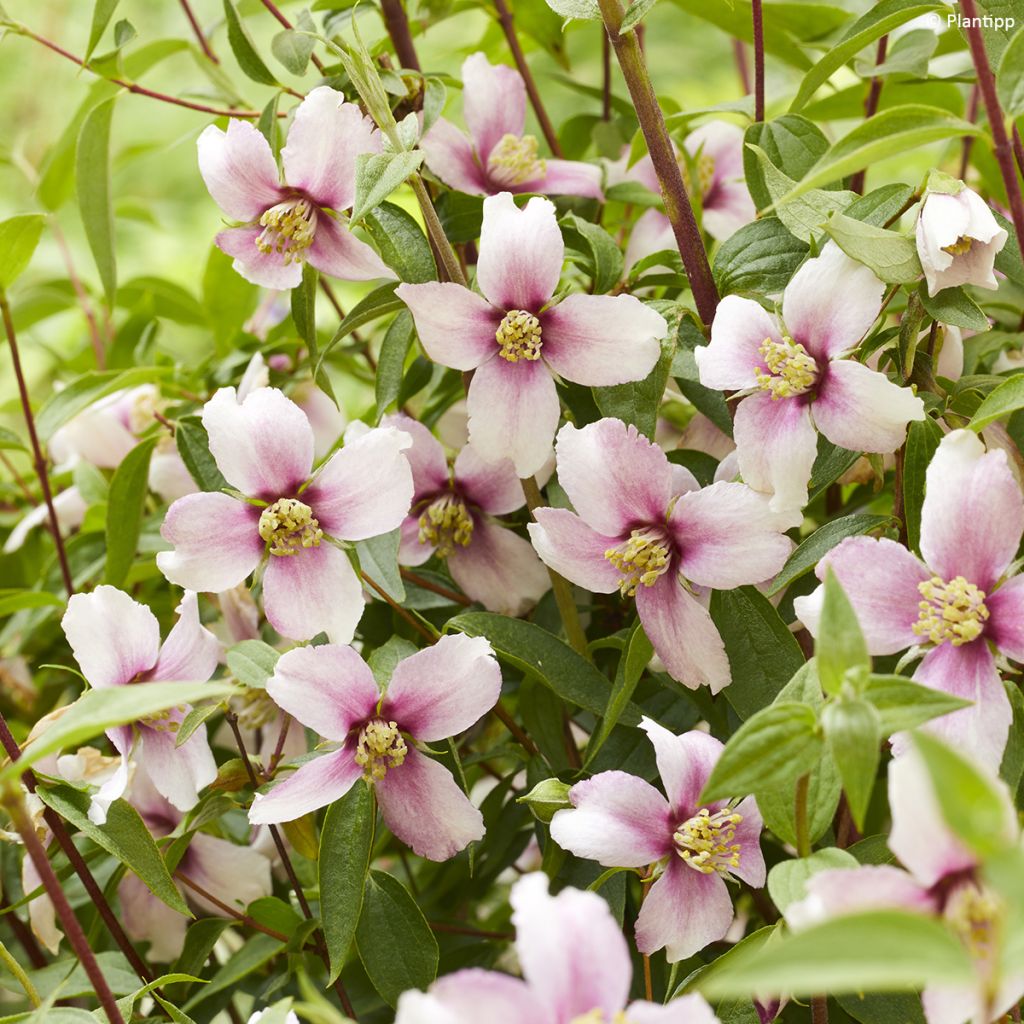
598 1017
288 525
514 160
164 721
791 369
705 841
519 336
976 916
961 246
640 560
705 172
256 709
953 611
288 229
380 747
446 523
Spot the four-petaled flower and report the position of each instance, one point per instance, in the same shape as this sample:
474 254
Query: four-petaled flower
433 694
622 821
264 448
795 381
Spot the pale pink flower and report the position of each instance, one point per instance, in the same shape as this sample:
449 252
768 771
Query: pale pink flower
958 240
516 340
264 448
576 970
433 694
116 642
795 381
106 431
497 156
622 821
286 224
957 601
69 506
646 528
454 514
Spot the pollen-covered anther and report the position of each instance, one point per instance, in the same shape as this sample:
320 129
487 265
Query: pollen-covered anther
598 1017
960 247
791 368
706 841
705 172
165 721
640 560
977 917
447 524
519 336
953 611
380 747
514 160
256 708
288 526
288 229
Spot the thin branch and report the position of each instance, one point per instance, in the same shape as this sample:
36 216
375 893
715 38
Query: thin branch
968 145
11 963
1018 150
397 23
606 77
435 588
739 52
501 713
229 911
199 34
19 481
819 1010
270 6
420 628
81 295
758 17
871 107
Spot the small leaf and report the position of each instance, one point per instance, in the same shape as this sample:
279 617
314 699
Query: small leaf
252 662
391 360
853 733
954 306
1011 77
378 558
244 49
12 601
923 439
605 256
378 175
193 720
840 646
92 181
19 237
635 13
128 490
401 242
102 12
293 49
892 256
637 403
760 258
194 448
1003 400
787 881
903 704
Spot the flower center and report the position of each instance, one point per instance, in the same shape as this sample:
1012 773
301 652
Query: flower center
519 336
791 369
380 747
165 721
445 523
288 525
514 160
961 246
953 611
705 172
598 1017
705 841
288 229
256 708
640 560
976 916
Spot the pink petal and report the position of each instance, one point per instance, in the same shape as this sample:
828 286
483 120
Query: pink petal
216 542
739 329
314 785
329 689
148 919
727 208
235 874
831 302
692 1009
599 340
179 773
643 171
366 488
492 486
685 911
499 569
683 635
442 690
449 154
263 446
266 269
617 820
973 513
476 995
880 577
325 137
861 409
615 477
412 551
567 544
751 868
652 233
954 1004
338 253
1006 622
521 253
776 444
513 413
239 170
191 652
493 102
425 808
426 456
723 142
69 506
455 326
684 763
571 949
727 536
314 591
568 178
113 638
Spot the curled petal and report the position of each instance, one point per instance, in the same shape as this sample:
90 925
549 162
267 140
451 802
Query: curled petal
179 773
191 652
493 102
685 764
315 784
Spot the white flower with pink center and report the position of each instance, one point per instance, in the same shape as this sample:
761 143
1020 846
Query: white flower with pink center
286 224
576 970
286 514
622 821
517 341
959 602
433 694
647 529
794 380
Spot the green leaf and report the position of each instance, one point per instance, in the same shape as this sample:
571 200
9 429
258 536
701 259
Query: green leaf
124 836
19 237
127 496
303 309
923 439
196 717
775 746
638 402
892 256
344 863
378 303
853 733
791 143
787 881
635 13
9 440
1003 400
395 943
194 448
378 175
92 181
378 558
244 49
15 600
391 360
684 370
605 256
954 306
903 704
228 299
293 49
102 12
759 259
252 662
839 649
253 955
401 243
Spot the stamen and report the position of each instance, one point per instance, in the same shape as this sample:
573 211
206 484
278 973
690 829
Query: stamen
288 229
705 172
976 916
953 611
961 246
640 560
164 721
519 335
598 1017
256 708
380 747
288 525
514 160
791 369
446 523
705 841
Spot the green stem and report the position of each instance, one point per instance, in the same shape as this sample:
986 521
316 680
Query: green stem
442 247
9 961
803 835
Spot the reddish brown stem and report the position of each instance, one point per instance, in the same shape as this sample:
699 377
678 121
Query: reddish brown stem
397 23
515 729
17 477
317 62
424 584
606 77
399 610
871 108
23 934
972 116
204 43
1018 150
229 911
739 52
758 16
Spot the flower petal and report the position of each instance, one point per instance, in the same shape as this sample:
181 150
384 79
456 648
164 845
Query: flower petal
685 764
570 547
691 1009
475 995
315 784
493 102
238 169
426 456
740 327
235 874
455 326
148 919
266 269
652 233
191 652
449 154
179 773
337 252
751 868
492 486
1006 625
568 178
